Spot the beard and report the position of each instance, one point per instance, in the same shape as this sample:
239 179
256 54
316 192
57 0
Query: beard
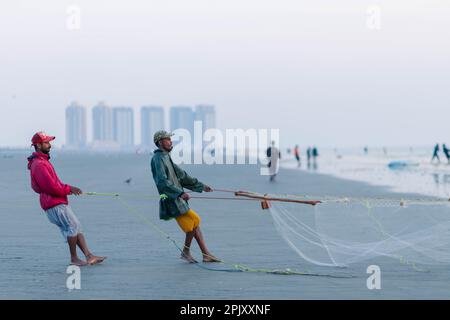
47 151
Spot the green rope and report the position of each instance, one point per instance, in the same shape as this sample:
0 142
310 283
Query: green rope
101 194
163 197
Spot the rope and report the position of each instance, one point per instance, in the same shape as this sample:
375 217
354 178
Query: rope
234 267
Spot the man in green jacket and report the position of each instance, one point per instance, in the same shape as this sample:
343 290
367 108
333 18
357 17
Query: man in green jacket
170 180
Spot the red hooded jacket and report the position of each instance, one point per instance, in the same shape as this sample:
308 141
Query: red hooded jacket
45 181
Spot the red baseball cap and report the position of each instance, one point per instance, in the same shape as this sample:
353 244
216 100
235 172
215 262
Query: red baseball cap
41 137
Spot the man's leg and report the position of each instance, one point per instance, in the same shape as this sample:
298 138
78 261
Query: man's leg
72 241
207 256
81 242
186 254
75 225
90 258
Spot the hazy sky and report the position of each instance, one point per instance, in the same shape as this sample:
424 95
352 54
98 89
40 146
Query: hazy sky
311 68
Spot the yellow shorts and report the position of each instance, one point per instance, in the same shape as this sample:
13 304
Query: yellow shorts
188 221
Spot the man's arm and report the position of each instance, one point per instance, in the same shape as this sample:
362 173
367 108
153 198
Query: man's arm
187 181
163 184
48 184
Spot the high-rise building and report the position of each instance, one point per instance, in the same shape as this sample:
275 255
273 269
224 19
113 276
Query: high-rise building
207 115
152 120
76 131
182 117
102 123
123 126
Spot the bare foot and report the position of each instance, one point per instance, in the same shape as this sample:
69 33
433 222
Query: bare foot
188 257
210 258
91 259
78 262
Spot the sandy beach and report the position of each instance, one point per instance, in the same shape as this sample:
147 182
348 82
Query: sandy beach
144 265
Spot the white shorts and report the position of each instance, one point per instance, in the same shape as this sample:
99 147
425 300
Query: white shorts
63 216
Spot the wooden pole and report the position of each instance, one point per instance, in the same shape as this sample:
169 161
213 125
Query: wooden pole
267 198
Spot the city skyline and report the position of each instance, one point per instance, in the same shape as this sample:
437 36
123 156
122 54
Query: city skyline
114 127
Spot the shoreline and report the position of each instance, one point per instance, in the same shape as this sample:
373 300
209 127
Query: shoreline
394 189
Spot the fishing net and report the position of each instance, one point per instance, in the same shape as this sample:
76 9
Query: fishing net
342 231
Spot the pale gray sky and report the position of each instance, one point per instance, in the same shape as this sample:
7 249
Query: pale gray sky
311 68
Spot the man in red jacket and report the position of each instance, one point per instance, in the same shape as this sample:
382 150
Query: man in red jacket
53 198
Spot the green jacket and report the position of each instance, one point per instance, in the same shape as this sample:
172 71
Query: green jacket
170 180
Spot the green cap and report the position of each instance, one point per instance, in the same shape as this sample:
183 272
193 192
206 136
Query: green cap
161 134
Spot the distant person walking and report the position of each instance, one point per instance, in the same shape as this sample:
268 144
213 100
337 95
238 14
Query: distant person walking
436 153
308 157
274 155
315 153
297 155
446 152
308 154
53 198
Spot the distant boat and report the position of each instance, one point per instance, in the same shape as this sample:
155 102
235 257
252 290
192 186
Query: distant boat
400 164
